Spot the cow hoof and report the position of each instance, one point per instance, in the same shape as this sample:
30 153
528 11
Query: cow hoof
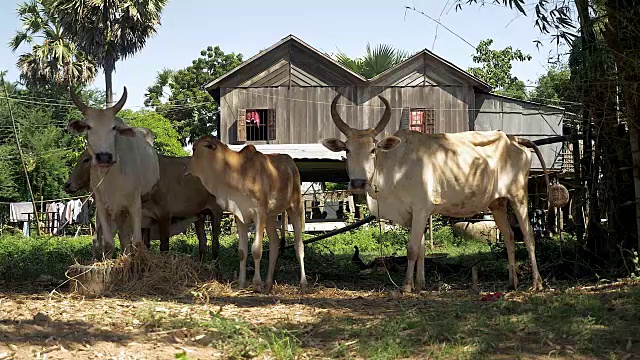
304 284
406 288
257 287
537 286
267 289
420 285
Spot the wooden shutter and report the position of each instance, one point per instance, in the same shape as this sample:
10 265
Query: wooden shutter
429 121
242 125
271 124
404 119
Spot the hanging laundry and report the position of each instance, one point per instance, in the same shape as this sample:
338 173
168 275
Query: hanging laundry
52 211
253 116
76 210
19 211
86 212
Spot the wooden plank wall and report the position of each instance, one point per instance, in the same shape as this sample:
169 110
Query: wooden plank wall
303 113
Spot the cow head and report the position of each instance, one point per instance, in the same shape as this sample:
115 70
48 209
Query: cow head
208 153
79 177
102 127
361 146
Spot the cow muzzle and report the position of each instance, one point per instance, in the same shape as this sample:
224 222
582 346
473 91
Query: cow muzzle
104 159
68 188
357 186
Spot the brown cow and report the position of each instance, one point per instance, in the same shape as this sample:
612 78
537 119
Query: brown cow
255 187
177 199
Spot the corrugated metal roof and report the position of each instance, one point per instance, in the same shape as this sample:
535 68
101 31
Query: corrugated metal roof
297 151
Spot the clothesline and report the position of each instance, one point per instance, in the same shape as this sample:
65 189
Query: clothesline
46 201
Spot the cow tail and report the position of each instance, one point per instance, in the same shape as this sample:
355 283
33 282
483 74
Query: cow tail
551 214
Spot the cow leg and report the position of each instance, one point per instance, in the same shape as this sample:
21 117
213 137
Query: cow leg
146 237
124 232
521 210
216 220
418 224
97 242
499 210
256 250
420 280
274 247
296 213
135 212
243 246
202 237
164 226
107 234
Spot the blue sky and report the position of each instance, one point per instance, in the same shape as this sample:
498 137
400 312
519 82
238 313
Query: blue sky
246 27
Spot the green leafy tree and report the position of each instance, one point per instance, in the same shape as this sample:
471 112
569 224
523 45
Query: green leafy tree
376 61
165 136
557 87
54 58
188 106
49 150
496 67
109 30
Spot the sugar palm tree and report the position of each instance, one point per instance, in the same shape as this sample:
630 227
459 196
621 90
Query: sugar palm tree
53 58
110 30
375 61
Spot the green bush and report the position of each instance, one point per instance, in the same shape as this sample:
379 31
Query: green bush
24 258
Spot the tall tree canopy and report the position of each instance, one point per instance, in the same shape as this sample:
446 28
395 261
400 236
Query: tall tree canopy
109 30
53 58
188 106
49 150
495 68
376 61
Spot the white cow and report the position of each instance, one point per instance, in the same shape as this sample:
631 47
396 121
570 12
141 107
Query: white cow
124 167
411 175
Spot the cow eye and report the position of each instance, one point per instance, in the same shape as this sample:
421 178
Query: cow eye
87 160
346 151
115 127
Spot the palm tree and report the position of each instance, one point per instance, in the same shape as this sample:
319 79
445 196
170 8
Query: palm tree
110 30
375 62
55 59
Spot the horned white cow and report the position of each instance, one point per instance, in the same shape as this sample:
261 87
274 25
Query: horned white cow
255 187
177 200
124 167
411 175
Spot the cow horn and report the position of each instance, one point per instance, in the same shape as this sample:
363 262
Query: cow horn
79 104
385 117
118 106
342 126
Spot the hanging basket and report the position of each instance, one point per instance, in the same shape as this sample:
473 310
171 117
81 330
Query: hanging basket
558 195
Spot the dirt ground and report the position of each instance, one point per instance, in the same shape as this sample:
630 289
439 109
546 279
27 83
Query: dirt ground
329 322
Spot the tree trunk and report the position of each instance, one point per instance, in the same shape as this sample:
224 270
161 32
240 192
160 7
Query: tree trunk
108 72
621 37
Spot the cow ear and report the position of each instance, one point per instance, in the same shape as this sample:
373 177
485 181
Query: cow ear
389 143
334 144
77 127
126 131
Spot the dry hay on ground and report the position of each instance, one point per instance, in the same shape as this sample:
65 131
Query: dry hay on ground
140 273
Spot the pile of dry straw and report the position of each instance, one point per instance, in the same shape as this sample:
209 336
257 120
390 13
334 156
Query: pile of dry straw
143 272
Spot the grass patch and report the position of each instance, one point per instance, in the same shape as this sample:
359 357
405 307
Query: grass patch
237 339
562 324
